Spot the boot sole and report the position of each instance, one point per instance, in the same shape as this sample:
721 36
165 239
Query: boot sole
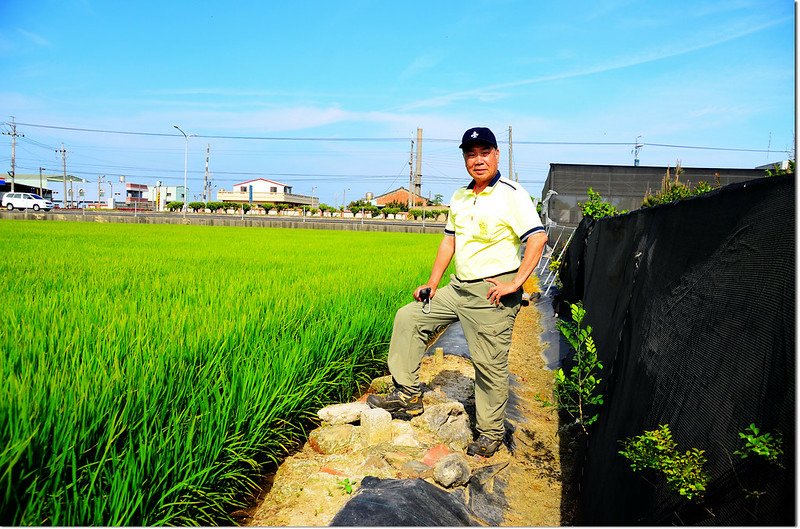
406 415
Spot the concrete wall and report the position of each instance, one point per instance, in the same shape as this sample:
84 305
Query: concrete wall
233 220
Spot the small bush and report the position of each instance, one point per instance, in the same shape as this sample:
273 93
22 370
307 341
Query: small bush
674 189
597 208
576 391
777 170
763 445
656 450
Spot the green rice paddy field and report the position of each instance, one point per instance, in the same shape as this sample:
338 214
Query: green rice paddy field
151 372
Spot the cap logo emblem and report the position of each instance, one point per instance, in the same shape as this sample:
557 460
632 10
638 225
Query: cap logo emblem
474 134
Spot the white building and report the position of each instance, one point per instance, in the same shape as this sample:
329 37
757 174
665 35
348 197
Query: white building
161 195
263 191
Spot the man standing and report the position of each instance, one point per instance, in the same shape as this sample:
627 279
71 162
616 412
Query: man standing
488 221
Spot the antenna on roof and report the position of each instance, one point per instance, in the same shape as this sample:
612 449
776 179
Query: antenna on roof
637 147
769 144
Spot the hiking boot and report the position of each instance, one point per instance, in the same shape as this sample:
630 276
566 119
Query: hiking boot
483 446
399 404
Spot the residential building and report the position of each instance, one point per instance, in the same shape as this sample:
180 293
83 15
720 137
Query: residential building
136 193
624 186
162 195
263 191
400 195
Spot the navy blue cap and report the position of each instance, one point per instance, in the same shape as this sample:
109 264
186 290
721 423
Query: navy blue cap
477 135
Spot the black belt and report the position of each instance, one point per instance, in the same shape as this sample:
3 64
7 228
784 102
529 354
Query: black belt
485 278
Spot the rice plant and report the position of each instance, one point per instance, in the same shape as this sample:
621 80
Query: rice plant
148 373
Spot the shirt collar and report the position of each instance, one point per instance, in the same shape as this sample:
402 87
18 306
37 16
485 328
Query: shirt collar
491 184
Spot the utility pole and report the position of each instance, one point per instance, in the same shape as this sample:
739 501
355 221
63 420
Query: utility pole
205 177
64 164
637 147
40 180
72 202
510 156
99 181
418 175
13 135
410 173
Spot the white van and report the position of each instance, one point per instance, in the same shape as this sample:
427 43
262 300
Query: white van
12 201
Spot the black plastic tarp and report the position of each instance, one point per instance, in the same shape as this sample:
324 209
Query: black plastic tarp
402 502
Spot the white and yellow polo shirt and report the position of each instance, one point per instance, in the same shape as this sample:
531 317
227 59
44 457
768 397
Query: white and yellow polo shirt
489 227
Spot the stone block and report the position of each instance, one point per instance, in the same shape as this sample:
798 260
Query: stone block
403 434
346 413
337 439
376 426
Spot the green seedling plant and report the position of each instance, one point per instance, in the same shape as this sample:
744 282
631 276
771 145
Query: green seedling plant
765 445
576 389
657 450
346 485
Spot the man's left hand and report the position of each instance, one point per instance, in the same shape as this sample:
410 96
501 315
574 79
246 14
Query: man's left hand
498 290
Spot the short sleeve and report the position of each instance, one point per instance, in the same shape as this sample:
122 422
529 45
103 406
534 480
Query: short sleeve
524 219
450 227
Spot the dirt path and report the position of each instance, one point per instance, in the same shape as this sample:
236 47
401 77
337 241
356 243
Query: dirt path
534 489
310 488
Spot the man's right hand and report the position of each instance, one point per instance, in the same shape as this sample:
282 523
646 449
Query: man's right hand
420 288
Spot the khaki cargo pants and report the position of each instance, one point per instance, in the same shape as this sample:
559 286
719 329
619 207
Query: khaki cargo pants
487 329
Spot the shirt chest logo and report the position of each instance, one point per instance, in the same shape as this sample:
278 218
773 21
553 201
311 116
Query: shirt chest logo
483 228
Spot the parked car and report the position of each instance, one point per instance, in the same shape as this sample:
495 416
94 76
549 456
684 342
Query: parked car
12 201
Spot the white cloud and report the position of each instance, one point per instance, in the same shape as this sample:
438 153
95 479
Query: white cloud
34 37
500 90
421 64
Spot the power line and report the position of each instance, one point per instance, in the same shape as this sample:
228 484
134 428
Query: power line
705 148
390 139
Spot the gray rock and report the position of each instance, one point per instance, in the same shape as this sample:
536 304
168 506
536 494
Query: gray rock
342 413
456 433
437 415
416 469
337 439
451 471
376 426
449 421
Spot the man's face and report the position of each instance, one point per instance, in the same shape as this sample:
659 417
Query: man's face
481 161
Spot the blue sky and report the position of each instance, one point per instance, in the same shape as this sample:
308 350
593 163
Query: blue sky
688 73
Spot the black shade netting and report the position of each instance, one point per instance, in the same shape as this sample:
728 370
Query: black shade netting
692 309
